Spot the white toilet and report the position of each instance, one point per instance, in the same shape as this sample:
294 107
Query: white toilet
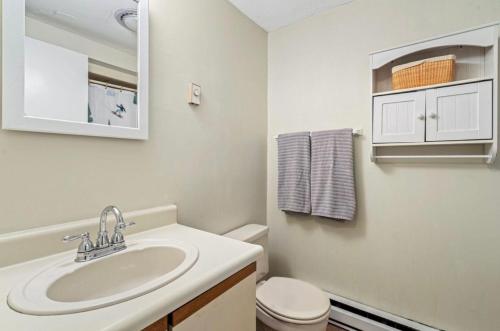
283 304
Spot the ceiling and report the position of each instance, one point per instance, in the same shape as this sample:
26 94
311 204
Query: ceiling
91 18
275 14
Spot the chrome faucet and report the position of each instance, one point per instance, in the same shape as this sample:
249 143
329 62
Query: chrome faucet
102 236
87 251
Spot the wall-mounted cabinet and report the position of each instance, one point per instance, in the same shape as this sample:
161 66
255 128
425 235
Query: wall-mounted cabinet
460 112
441 121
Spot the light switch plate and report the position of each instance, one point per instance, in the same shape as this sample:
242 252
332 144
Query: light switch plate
194 95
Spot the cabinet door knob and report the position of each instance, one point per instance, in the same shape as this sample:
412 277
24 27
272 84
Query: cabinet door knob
433 116
421 117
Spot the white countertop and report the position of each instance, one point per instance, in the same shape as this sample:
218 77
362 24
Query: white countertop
219 258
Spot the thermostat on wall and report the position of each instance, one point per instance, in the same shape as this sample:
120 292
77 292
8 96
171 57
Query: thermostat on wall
194 96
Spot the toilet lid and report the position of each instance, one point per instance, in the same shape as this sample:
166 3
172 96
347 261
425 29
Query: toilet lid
292 299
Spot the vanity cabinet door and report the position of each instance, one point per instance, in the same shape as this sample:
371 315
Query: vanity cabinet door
461 112
230 305
399 118
233 310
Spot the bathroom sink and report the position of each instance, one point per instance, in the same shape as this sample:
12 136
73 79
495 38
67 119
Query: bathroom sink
70 287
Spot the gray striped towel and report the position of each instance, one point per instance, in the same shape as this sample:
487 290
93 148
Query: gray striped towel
294 172
333 194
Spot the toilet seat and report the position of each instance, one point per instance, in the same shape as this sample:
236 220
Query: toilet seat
282 318
279 325
292 301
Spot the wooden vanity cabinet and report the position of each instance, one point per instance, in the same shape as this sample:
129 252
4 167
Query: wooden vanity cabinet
229 305
160 325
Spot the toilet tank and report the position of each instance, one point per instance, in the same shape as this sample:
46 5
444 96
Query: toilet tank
254 234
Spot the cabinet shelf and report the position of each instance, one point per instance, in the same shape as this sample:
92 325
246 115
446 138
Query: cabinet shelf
485 150
421 88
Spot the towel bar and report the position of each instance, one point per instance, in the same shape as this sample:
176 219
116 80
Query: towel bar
432 156
355 132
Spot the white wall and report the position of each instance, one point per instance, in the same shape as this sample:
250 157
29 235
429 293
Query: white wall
426 239
208 160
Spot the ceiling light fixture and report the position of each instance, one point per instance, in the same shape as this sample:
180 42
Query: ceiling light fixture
127 18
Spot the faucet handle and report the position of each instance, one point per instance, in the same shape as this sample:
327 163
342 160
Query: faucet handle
85 246
117 237
124 226
67 239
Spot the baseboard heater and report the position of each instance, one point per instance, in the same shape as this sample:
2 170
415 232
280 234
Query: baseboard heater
354 316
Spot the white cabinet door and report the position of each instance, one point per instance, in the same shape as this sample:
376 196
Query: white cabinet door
460 112
399 118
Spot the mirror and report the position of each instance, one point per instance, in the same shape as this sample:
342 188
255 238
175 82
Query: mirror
76 67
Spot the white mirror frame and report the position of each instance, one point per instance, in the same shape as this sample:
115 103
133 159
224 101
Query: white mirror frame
13 115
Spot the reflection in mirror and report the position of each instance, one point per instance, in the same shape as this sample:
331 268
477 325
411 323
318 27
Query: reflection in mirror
81 61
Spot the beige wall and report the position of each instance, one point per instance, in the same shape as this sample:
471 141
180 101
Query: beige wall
426 241
209 160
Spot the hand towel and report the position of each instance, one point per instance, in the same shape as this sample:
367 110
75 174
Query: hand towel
294 172
333 193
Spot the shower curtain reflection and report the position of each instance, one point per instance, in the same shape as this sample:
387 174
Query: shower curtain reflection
112 106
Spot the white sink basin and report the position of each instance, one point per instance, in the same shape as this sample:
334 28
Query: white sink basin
69 287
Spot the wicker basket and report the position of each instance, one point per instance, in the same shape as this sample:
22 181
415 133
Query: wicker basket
436 70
